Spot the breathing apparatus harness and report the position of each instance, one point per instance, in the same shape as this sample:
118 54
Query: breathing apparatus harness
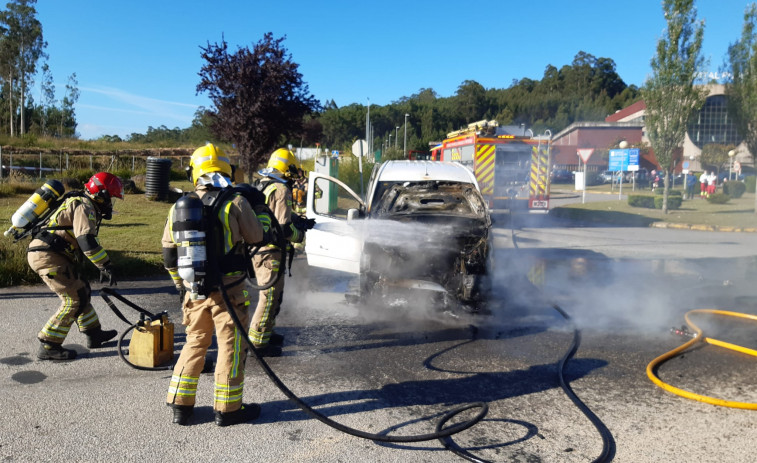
198 232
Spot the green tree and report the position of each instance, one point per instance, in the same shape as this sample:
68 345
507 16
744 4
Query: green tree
47 87
259 96
715 156
22 45
471 97
669 92
68 112
742 87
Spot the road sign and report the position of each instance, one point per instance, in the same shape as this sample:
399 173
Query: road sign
618 160
360 148
633 159
585 154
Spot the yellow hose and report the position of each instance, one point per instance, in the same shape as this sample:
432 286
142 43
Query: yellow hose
699 337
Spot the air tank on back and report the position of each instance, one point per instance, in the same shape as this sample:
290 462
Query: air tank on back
35 206
188 229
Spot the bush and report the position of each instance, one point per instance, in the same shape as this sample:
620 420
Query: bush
672 192
749 183
641 201
734 189
718 198
674 202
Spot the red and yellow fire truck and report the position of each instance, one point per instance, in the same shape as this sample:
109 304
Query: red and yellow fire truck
512 170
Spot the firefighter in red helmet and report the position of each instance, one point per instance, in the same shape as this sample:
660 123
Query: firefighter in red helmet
69 233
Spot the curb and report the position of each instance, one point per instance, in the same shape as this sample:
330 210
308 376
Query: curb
686 226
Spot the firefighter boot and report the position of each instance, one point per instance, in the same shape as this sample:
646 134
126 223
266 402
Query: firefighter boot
96 337
182 414
268 350
248 412
52 351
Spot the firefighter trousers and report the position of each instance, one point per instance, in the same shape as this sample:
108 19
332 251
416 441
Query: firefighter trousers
266 265
63 278
202 318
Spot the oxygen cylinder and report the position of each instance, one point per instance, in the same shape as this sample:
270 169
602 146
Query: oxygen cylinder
35 206
189 234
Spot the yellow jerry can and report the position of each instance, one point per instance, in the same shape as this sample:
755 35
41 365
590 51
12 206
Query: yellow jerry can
151 343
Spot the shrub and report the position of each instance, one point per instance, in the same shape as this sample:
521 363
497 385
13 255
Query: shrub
734 189
718 198
641 201
674 202
672 192
749 183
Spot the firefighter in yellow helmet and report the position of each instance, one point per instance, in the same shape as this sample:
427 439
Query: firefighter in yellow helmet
278 178
204 310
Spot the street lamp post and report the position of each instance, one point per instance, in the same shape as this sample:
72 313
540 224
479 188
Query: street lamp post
396 136
731 154
405 146
622 145
390 141
689 192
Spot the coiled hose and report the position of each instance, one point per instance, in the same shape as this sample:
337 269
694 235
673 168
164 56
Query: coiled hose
699 337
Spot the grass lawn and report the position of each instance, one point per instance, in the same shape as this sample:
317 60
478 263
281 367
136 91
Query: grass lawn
738 213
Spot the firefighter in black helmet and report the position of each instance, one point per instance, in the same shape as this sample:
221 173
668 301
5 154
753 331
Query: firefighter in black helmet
204 311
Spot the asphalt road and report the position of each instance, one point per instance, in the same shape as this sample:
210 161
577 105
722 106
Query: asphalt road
398 367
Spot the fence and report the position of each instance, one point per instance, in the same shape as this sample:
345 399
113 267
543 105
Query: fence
43 164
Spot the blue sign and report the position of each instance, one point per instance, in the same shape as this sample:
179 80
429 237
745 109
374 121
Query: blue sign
624 159
618 160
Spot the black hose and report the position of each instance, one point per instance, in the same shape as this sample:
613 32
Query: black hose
346 429
608 442
123 356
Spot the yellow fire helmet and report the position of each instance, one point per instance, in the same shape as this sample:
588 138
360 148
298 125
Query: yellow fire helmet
284 161
208 160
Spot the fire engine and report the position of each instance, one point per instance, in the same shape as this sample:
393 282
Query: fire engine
512 170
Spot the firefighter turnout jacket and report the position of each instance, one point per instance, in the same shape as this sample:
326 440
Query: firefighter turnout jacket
72 231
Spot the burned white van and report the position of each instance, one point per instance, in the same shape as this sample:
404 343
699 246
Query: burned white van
424 228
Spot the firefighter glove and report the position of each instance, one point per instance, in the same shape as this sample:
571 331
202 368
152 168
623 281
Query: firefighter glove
309 223
106 273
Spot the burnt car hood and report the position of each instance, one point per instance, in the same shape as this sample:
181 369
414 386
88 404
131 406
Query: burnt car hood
428 231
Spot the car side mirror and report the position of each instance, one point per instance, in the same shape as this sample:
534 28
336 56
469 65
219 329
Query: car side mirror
353 214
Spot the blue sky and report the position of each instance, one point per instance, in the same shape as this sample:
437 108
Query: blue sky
137 62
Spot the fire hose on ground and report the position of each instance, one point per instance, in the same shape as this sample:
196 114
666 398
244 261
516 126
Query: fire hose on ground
697 337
